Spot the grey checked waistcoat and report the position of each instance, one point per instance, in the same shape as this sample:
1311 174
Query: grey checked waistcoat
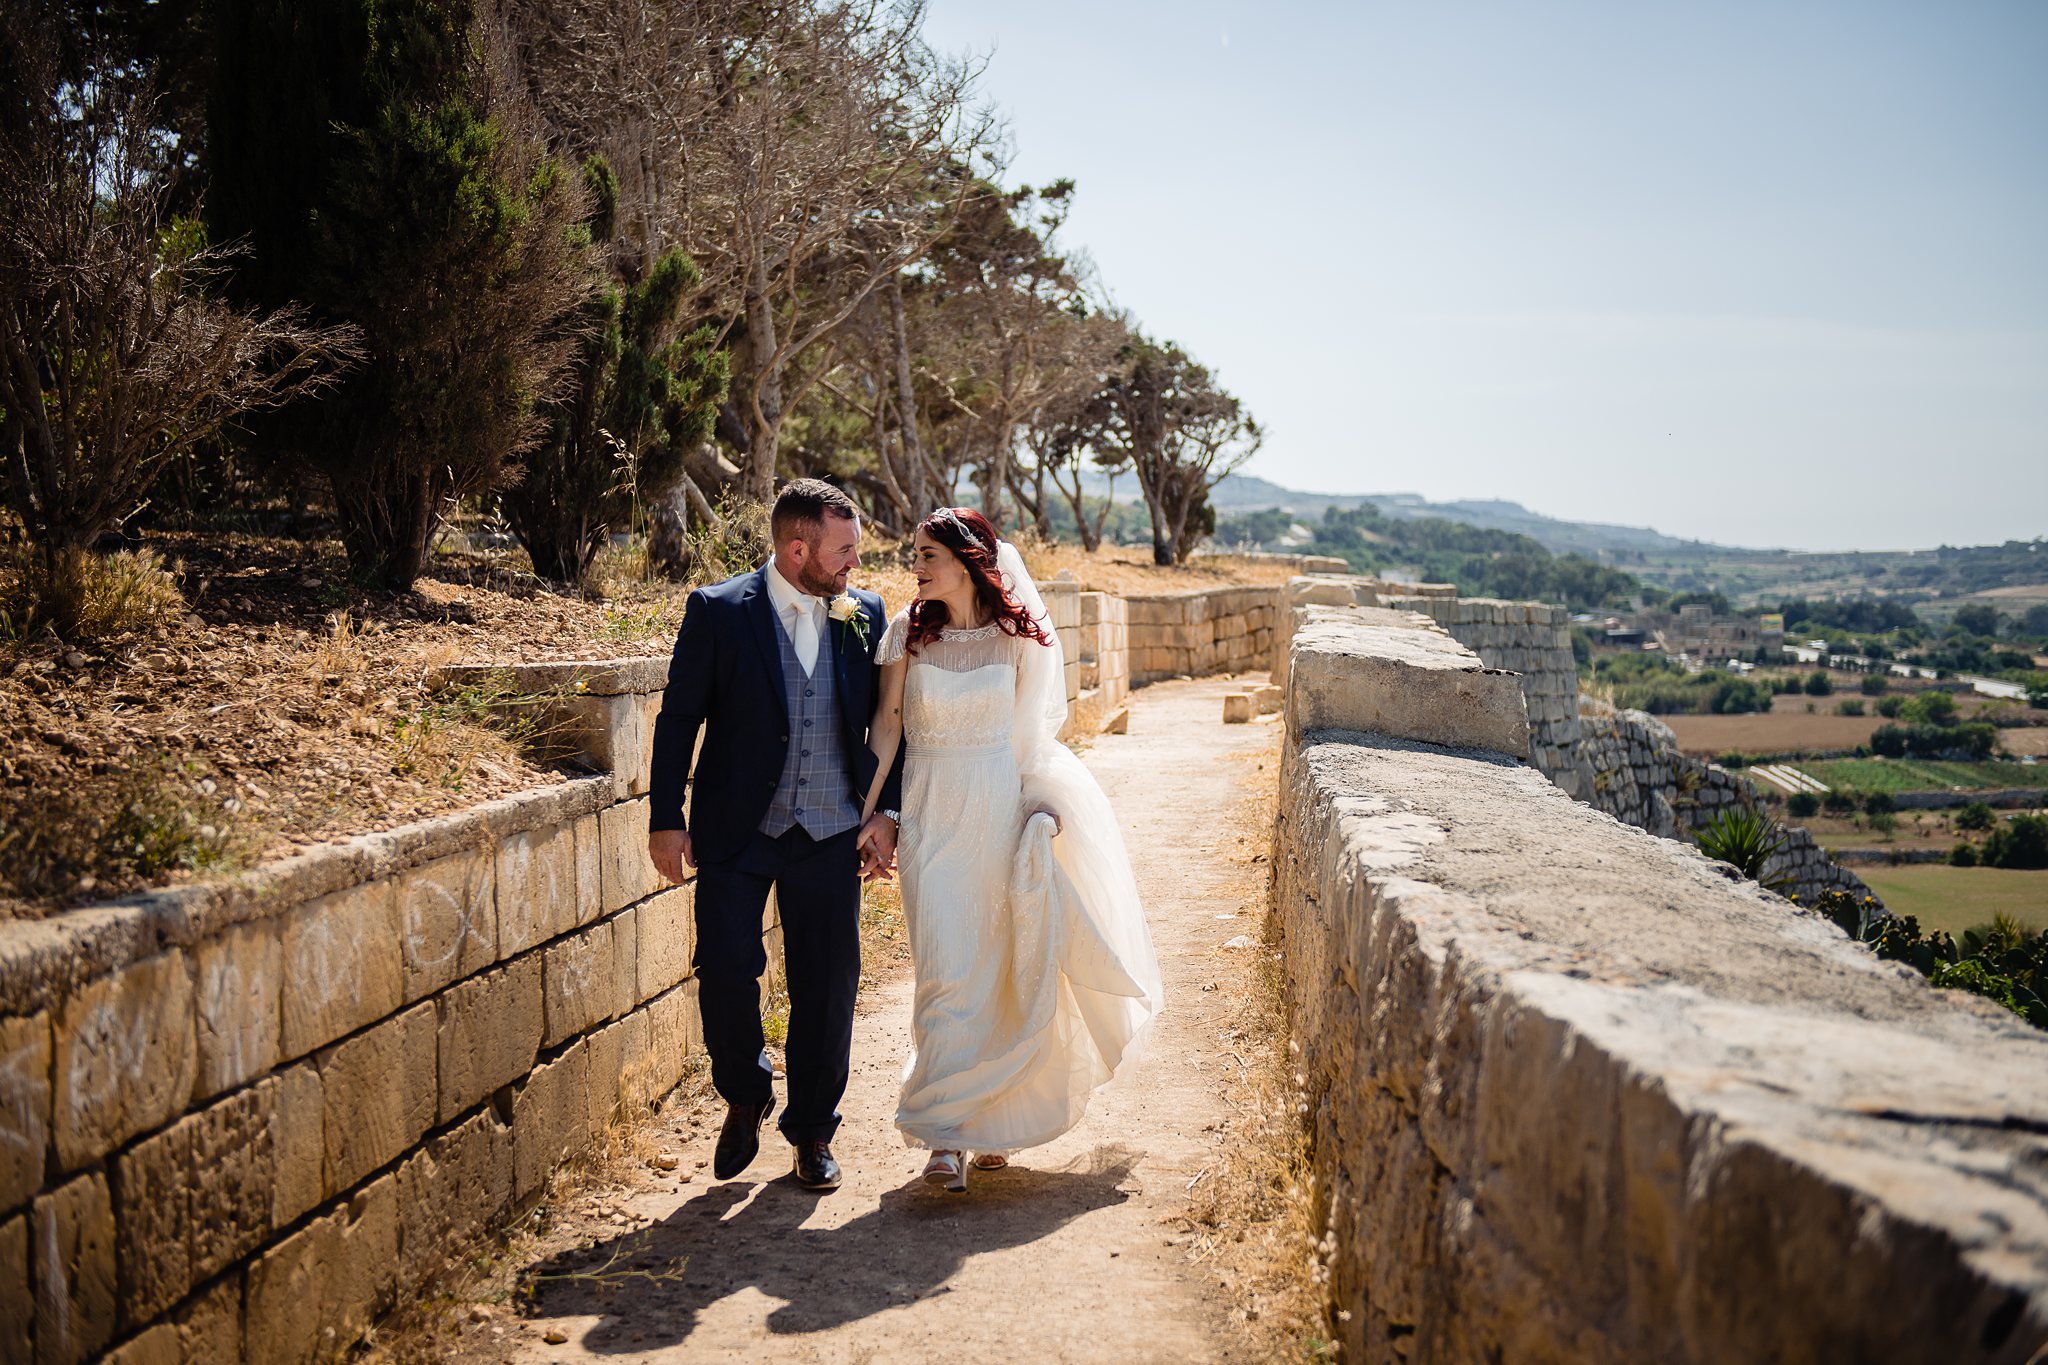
816 789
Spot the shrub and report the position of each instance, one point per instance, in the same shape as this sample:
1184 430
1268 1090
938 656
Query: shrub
1802 805
1745 840
1873 684
1891 706
1884 822
644 390
80 596
1879 803
1732 758
1963 855
1738 696
1839 803
1848 707
1818 683
1933 707
2021 842
1970 742
113 336
1976 817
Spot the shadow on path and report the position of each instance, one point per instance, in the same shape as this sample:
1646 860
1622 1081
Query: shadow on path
648 1288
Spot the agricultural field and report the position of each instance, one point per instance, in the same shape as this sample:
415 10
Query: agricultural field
1959 898
1787 729
1911 831
1864 775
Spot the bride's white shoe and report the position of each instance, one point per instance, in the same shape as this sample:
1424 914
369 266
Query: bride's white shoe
947 1170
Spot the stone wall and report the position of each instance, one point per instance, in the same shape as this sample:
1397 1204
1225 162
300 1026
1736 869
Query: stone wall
1533 639
1575 1095
1105 648
1214 630
240 1121
1637 774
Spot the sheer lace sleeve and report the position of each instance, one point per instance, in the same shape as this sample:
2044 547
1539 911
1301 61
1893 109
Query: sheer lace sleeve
894 638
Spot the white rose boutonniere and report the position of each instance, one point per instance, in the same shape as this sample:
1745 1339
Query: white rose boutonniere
845 609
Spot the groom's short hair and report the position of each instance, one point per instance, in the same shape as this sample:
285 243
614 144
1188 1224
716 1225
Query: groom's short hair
802 506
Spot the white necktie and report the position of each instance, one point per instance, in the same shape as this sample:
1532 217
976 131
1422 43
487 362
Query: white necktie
803 637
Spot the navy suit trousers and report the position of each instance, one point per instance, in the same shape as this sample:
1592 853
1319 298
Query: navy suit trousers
817 889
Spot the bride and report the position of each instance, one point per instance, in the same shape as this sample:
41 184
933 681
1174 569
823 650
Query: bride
1035 972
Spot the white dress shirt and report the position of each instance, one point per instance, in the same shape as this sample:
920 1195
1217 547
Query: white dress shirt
802 616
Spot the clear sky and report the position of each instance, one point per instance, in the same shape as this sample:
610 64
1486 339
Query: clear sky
1759 273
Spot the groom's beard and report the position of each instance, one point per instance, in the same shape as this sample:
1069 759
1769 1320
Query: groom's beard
817 582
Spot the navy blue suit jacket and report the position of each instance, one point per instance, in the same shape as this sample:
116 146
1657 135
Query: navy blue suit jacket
725 678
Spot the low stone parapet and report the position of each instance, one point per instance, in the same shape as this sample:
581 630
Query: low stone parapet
239 1120
1212 630
1574 1094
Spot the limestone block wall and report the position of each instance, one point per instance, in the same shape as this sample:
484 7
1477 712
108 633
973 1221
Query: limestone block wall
239 1121
1638 775
1105 647
1534 640
1574 1095
1217 630
1063 605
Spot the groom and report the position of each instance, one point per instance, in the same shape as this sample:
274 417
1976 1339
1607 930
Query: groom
777 668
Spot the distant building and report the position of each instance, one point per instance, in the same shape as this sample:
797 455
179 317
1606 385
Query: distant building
1709 639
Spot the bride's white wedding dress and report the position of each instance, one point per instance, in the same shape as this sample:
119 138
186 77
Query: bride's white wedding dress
1035 972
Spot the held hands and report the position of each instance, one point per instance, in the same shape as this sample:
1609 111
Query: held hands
877 844
1057 827
670 852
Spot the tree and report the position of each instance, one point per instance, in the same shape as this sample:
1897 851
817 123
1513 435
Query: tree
381 160
115 355
1180 433
1978 619
1976 816
1819 684
835 156
642 395
2020 842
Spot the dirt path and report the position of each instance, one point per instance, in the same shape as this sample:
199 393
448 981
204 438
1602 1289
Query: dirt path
1075 1254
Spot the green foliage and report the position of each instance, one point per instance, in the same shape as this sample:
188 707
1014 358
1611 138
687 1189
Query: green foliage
1975 817
1978 619
2002 961
1873 684
382 175
1654 683
1891 706
2020 842
642 392
1962 743
1802 805
1964 854
1839 803
1744 839
1819 684
1879 802
1932 707
1482 562
1849 706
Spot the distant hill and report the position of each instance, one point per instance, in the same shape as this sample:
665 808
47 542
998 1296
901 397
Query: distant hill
1250 493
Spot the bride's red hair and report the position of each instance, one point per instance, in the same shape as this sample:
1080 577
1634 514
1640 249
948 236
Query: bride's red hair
972 540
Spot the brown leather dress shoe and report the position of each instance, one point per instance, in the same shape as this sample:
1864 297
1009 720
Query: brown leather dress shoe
815 1168
739 1140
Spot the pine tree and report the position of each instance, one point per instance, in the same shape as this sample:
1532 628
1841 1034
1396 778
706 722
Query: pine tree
642 394
378 157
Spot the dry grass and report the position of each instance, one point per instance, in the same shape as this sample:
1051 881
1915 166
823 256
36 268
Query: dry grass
1128 569
1253 1216
86 597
